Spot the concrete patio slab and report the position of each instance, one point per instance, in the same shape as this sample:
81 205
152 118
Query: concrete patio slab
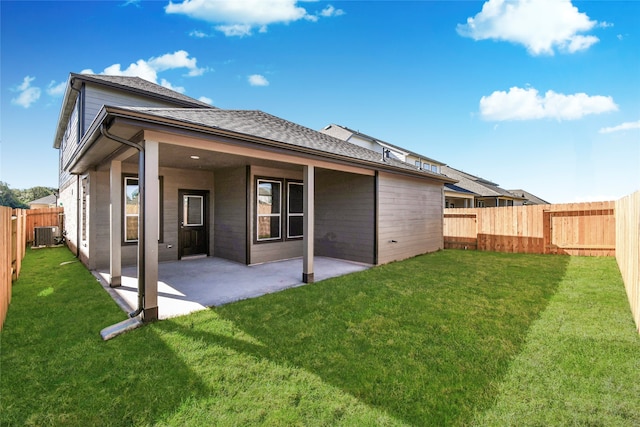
194 284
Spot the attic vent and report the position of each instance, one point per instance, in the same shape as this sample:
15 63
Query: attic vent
44 236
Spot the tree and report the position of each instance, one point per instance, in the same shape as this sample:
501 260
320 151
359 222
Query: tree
9 198
33 193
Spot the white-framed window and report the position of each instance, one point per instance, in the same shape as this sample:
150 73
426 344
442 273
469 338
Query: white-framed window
418 163
295 210
131 209
426 166
268 210
480 204
193 211
434 168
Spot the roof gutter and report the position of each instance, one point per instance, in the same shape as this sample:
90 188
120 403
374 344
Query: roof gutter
141 227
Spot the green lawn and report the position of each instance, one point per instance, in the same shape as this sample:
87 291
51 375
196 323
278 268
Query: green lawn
450 338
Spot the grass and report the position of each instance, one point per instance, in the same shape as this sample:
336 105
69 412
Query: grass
450 338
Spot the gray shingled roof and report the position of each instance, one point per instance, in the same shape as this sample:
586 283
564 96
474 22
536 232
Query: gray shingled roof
138 84
363 135
124 83
531 198
260 124
475 184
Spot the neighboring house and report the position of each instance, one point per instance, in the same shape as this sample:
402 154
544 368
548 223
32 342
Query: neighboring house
140 163
485 193
390 150
531 198
49 201
457 197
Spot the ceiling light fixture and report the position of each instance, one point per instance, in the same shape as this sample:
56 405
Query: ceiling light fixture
195 157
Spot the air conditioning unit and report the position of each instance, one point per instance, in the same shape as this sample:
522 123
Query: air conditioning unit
45 236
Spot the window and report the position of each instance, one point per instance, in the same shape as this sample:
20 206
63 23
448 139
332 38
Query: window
417 163
426 166
480 204
131 209
434 168
269 218
85 210
279 209
295 210
193 212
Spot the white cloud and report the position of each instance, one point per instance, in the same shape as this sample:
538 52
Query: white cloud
528 104
206 100
330 11
27 94
149 69
543 26
622 127
237 30
240 17
198 34
258 80
56 89
165 83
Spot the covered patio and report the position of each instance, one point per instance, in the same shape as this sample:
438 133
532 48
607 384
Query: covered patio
194 284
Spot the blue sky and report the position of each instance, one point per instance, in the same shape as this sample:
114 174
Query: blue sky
542 95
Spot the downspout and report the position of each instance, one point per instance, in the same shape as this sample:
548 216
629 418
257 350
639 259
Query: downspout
141 228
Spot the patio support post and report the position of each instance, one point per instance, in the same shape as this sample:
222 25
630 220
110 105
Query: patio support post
308 220
115 251
151 223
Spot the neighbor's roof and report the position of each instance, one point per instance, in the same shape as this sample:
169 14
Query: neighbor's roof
458 189
134 85
254 123
46 200
531 199
326 129
478 185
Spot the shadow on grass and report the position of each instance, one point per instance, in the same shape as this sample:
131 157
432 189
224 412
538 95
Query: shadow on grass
426 340
56 370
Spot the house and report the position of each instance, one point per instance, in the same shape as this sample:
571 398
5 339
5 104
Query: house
49 201
150 175
485 193
390 150
531 199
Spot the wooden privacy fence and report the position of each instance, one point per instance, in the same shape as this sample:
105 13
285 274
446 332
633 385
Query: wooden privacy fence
46 217
16 230
627 249
572 229
12 249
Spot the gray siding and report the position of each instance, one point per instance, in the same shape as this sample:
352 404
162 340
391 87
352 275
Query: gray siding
68 146
230 214
410 212
345 216
97 96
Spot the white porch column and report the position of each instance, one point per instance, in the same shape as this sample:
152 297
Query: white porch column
308 219
115 213
151 222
